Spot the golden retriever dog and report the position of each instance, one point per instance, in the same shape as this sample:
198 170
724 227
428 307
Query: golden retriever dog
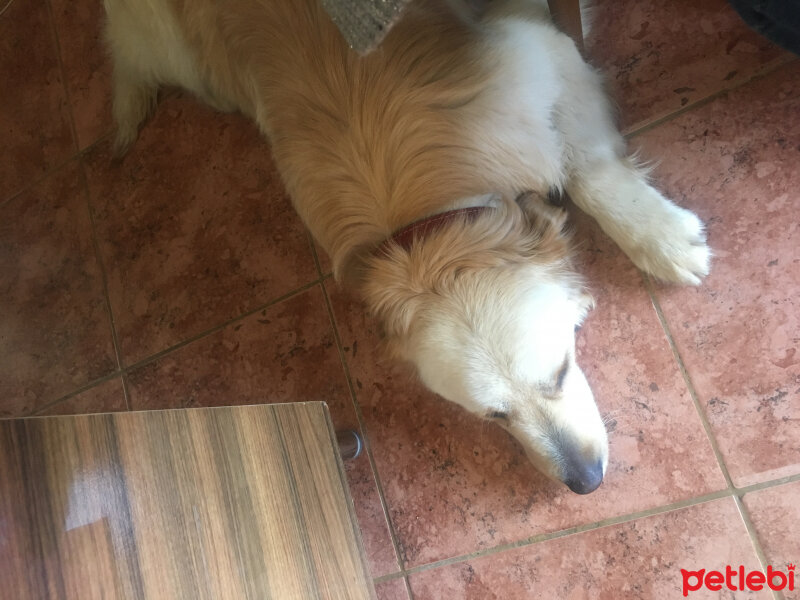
445 115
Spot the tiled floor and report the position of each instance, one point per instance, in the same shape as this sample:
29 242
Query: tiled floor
182 277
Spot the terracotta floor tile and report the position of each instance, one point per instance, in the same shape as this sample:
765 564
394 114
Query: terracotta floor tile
194 227
661 56
55 334
104 397
455 484
286 353
735 162
87 66
775 513
637 560
394 589
34 115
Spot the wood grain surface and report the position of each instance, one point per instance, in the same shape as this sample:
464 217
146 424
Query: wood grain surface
211 503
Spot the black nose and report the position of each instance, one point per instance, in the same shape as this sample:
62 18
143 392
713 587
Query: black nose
582 477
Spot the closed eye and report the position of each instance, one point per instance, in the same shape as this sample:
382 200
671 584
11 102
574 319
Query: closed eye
562 373
498 415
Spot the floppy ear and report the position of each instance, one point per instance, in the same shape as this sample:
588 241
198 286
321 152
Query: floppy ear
538 210
585 304
392 298
548 239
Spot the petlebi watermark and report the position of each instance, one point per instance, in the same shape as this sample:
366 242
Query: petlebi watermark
738 578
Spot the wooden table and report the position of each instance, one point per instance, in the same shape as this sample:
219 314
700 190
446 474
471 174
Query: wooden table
217 503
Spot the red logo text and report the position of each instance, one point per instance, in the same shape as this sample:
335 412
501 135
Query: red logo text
738 579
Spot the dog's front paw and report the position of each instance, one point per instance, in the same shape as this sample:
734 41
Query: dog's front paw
675 250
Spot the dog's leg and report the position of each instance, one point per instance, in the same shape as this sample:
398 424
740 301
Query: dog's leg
133 100
141 38
660 237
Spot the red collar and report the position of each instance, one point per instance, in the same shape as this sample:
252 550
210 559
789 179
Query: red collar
418 230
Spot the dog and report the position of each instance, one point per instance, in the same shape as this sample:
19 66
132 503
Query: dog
422 170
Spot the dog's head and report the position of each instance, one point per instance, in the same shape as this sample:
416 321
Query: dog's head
487 312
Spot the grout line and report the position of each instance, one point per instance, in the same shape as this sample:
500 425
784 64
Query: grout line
317 261
751 532
408 588
126 392
364 433
388 577
648 284
80 390
765 71
757 487
54 32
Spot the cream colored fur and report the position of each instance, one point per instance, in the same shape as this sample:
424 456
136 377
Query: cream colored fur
444 114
